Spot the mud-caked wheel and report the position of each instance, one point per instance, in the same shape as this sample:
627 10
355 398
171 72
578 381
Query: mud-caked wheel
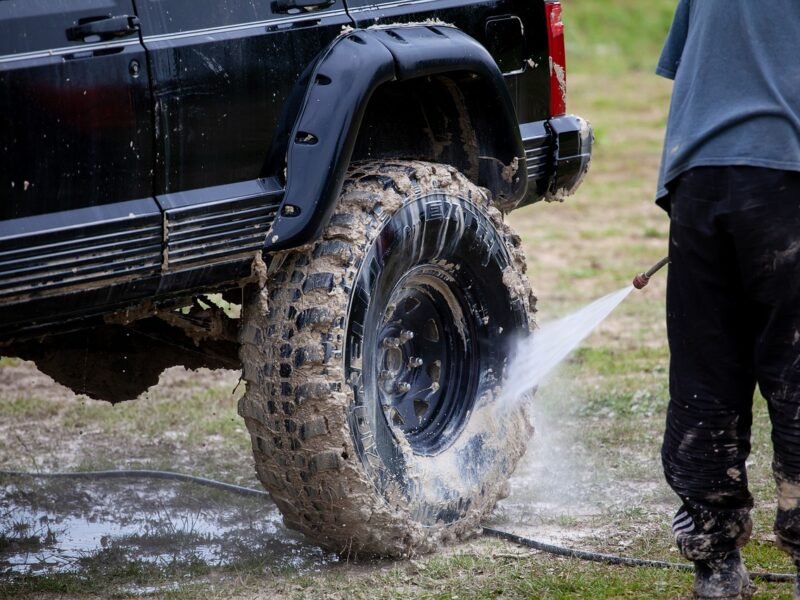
373 360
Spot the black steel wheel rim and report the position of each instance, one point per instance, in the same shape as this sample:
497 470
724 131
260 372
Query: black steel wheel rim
425 350
437 259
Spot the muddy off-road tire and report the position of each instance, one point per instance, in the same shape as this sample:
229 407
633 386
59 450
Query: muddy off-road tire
373 359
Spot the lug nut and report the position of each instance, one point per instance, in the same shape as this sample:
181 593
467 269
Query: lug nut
403 387
414 362
391 342
406 335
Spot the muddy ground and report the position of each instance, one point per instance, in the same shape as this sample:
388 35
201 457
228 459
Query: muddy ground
64 525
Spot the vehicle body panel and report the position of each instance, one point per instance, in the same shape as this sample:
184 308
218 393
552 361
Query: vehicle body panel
81 133
152 149
344 80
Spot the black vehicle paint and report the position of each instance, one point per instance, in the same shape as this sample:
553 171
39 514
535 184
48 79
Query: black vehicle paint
78 119
146 157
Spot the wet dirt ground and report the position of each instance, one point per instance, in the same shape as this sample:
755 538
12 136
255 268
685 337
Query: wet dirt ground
58 525
67 525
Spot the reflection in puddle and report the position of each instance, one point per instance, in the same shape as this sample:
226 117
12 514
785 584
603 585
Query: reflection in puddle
59 525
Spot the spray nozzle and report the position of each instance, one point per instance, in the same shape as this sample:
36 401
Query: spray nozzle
642 279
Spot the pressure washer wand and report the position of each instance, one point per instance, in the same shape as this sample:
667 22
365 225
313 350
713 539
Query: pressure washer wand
642 279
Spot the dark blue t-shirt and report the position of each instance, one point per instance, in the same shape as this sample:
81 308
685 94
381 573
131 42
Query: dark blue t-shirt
736 97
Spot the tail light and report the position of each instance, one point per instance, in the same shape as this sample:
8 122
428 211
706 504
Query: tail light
558 63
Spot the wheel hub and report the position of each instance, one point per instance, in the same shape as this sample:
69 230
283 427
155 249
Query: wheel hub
421 343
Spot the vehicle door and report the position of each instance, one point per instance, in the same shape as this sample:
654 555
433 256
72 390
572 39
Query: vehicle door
76 147
221 73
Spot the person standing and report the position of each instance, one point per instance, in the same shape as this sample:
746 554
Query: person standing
730 181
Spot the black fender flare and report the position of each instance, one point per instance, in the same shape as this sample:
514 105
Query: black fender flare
318 147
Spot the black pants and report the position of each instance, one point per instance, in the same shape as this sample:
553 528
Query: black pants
733 321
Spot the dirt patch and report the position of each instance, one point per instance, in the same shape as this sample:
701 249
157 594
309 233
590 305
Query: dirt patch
190 414
21 378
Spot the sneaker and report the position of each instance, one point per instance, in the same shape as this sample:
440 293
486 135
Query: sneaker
722 579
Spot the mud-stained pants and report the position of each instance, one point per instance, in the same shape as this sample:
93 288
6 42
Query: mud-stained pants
733 320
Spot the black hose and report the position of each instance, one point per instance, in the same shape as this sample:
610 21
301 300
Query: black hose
142 474
616 560
610 559
488 531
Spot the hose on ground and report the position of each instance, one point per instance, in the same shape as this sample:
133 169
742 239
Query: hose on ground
141 474
610 559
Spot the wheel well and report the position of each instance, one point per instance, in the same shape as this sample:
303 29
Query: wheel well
410 92
442 118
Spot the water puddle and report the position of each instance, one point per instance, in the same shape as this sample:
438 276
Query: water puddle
62 525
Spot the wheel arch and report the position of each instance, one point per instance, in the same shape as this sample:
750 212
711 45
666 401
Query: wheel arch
370 82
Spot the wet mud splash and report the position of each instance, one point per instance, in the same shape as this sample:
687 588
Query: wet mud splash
563 493
52 526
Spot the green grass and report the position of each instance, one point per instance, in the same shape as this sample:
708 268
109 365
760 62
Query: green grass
612 361
106 574
491 573
615 35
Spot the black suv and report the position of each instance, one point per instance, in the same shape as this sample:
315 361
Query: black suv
312 191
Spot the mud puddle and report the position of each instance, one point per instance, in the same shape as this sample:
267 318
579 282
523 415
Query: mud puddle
52 526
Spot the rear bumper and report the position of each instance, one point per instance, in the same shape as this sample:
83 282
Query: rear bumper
557 156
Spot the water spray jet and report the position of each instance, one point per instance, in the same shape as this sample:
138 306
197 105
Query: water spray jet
536 356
